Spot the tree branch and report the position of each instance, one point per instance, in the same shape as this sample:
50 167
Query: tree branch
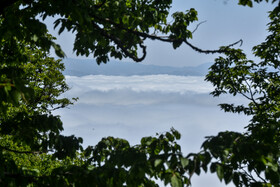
23 152
212 51
120 45
166 38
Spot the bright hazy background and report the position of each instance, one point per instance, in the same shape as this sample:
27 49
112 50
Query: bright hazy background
131 107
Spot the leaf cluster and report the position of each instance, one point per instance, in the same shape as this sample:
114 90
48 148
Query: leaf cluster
103 28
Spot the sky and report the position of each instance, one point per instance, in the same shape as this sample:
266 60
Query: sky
143 105
226 23
131 107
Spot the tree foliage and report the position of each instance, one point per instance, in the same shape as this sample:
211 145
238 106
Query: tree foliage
250 158
32 150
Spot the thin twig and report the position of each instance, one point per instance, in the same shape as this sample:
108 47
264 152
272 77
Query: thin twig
259 175
251 93
249 175
198 26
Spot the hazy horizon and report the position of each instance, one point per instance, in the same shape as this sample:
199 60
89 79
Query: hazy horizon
132 107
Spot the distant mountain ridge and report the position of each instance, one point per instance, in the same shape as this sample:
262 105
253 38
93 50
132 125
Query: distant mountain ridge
82 67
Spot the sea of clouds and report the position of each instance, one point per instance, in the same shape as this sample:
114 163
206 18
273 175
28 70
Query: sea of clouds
132 107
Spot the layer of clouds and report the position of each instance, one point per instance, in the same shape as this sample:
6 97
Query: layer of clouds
137 106
156 83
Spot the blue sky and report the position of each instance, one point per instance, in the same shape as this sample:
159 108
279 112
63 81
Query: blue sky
226 23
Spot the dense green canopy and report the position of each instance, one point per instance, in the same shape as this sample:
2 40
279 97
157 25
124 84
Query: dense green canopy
34 153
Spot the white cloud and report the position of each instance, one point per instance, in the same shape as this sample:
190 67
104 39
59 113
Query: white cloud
133 90
160 83
136 106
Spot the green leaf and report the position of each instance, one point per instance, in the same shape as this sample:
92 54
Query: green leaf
213 167
236 179
184 162
158 162
175 181
34 38
220 172
176 134
58 50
